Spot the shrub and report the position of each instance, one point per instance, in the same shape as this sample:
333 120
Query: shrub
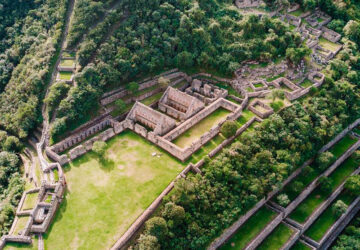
228 129
283 200
325 184
339 208
352 184
324 160
277 105
157 227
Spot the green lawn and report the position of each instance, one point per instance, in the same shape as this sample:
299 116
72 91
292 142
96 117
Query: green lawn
340 147
245 116
65 75
300 246
250 229
67 62
327 218
297 12
104 197
195 132
308 206
277 238
328 44
270 79
307 83
30 201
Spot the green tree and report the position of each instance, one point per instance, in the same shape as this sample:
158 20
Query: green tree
157 227
352 184
324 160
133 87
121 105
283 200
339 208
325 184
228 128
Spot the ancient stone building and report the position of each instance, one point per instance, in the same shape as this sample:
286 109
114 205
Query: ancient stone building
179 104
152 119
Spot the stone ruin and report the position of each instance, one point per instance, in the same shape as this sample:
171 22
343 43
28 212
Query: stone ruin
263 112
154 120
316 77
179 104
248 3
313 19
293 20
286 82
205 91
254 83
330 35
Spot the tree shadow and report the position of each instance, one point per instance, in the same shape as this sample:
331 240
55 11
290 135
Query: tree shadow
106 164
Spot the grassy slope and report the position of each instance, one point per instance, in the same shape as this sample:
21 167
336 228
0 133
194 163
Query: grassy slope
105 197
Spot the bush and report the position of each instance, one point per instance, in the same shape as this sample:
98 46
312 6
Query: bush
228 129
339 208
352 184
277 105
283 200
157 227
324 160
325 184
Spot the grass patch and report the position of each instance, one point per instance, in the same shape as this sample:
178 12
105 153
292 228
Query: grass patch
67 62
328 44
154 98
65 75
277 238
104 197
277 105
68 54
117 111
248 89
30 201
297 12
246 115
327 219
258 85
306 208
195 132
56 175
227 86
207 148
344 144
300 246
250 229
307 83
20 224
270 79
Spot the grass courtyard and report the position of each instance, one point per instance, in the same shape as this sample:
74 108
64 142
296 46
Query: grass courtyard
67 62
328 44
250 229
104 197
195 132
30 201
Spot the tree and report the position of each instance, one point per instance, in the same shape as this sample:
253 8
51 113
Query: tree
352 184
325 184
12 144
295 55
228 129
174 214
163 82
121 105
133 87
147 242
324 160
283 200
352 30
339 208
297 186
99 148
184 60
157 227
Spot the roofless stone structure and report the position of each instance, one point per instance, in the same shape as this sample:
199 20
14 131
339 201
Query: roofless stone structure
179 104
150 118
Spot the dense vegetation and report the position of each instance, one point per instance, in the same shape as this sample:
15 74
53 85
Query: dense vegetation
28 61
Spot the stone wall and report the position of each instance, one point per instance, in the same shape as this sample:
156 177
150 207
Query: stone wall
252 107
